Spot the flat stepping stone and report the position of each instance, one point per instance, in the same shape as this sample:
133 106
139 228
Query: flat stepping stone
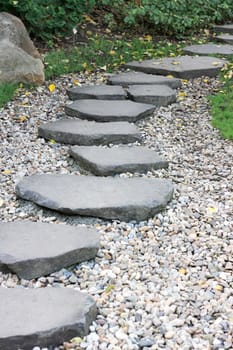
139 78
226 28
98 92
159 95
227 38
209 49
86 133
107 111
184 67
105 197
109 161
43 316
34 249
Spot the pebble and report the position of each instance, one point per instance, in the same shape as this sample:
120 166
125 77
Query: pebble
165 283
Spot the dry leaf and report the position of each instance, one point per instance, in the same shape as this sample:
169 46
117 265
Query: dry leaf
215 63
52 87
175 62
218 287
22 118
6 172
182 271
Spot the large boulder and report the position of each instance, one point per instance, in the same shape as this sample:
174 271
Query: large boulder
19 59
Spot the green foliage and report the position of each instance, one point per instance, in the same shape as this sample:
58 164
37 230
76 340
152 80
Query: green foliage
46 18
7 92
170 17
105 54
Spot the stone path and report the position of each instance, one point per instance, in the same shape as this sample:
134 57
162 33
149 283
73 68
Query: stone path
40 316
226 38
209 49
110 161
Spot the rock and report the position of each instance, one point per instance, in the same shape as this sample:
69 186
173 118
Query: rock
109 161
106 197
209 49
106 111
146 342
159 95
98 92
226 28
13 29
34 249
80 132
139 78
184 67
19 59
227 38
43 316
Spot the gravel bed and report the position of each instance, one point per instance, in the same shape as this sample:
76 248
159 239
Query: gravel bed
166 283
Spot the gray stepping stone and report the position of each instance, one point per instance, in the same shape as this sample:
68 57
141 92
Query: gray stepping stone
226 28
227 38
98 92
139 78
209 49
109 161
43 316
33 249
107 111
159 95
185 67
105 197
86 133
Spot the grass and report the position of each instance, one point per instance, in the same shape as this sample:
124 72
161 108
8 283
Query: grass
222 104
7 92
105 54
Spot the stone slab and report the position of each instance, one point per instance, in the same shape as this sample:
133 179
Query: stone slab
209 49
139 78
34 249
98 92
105 197
185 67
109 111
158 95
225 38
226 28
43 316
110 161
87 133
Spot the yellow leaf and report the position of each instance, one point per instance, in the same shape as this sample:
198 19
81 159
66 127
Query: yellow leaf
182 271
218 287
212 210
52 87
175 62
84 65
21 85
184 81
89 33
170 76
27 93
109 288
148 37
76 82
206 81
76 340
112 52
89 19
215 63
182 94
52 141
6 172
172 54
22 118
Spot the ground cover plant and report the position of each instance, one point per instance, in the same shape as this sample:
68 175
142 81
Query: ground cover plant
7 92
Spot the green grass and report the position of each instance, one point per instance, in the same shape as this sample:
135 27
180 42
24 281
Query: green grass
106 54
7 92
222 111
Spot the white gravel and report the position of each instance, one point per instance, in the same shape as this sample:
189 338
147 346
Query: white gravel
166 283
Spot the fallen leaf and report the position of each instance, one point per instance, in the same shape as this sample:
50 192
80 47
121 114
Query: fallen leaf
109 288
52 141
218 287
184 81
182 271
6 172
1 202
76 82
112 52
170 76
22 118
76 340
215 63
182 94
84 65
175 62
52 87
212 210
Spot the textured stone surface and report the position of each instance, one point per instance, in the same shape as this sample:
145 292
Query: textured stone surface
226 28
137 78
19 59
13 29
43 317
209 49
159 95
105 111
33 249
106 197
185 67
98 92
227 38
87 133
108 161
